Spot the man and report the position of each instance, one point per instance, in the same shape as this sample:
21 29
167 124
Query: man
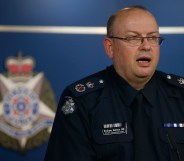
127 112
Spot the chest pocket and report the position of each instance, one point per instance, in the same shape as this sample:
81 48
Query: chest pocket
113 143
174 138
112 133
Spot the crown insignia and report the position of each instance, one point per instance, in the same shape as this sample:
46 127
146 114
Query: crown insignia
20 67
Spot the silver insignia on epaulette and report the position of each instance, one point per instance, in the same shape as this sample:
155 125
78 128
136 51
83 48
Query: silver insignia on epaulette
101 81
68 107
168 77
181 81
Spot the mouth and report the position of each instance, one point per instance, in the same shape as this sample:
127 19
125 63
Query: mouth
143 61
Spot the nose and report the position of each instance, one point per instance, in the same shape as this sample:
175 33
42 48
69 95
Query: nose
145 44
144 39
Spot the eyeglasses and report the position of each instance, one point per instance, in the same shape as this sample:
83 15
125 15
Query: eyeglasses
137 40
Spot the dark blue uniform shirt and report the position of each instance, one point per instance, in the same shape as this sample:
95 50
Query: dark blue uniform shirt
94 119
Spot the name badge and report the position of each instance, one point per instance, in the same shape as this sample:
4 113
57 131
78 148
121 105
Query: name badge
114 128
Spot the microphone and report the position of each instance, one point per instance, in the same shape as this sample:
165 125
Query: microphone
173 144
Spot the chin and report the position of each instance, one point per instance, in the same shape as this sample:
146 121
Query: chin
145 74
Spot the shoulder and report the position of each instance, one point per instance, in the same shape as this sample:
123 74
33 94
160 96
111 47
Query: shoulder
88 84
172 79
71 98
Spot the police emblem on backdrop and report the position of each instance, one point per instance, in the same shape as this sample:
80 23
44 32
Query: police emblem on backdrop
27 105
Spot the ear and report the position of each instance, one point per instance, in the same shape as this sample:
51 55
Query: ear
108 45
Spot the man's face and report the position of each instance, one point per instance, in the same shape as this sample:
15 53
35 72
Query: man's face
135 61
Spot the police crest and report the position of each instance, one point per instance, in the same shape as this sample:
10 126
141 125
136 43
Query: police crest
181 81
69 106
27 105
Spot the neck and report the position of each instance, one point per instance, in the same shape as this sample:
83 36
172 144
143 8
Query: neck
136 82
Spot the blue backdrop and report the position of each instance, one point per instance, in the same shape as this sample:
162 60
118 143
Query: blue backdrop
65 58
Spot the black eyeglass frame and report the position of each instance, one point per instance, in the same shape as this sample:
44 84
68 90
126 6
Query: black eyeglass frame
161 39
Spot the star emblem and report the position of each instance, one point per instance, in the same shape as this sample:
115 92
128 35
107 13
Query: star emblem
22 111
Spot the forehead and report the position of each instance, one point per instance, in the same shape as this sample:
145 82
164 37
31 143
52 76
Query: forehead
135 21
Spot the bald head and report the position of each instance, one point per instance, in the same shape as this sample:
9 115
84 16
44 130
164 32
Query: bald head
133 23
126 14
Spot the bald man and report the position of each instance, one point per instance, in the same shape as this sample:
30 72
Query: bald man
127 112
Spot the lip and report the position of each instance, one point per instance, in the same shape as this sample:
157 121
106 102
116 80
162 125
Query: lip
144 61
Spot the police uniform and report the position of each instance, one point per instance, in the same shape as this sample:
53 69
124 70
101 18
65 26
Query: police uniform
94 119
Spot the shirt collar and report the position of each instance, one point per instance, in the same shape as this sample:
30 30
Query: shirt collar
128 93
150 90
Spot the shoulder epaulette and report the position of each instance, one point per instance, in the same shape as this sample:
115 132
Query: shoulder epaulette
174 79
86 86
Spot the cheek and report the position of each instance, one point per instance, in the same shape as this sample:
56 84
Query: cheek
124 59
156 56
124 56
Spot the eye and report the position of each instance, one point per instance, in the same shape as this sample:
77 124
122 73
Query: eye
130 38
153 38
